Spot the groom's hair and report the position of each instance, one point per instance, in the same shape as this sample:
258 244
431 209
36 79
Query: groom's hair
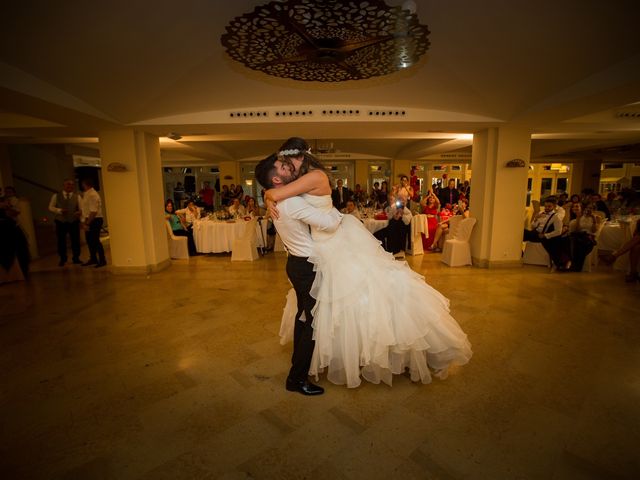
265 171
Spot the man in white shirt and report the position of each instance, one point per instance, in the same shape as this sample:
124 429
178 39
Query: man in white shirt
91 208
546 228
295 218
394 236
65 206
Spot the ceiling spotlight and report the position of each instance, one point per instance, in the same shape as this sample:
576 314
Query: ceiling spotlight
174 136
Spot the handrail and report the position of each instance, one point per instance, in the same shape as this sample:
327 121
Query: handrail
35 184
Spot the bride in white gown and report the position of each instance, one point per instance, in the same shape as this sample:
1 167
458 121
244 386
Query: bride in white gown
374 316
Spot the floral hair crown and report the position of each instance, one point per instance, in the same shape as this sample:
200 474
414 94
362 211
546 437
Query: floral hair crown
294 152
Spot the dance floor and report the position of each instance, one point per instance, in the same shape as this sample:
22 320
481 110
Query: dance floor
180 375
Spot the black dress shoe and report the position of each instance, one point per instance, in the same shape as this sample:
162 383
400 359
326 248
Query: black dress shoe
304 387
90 262
76 261
61 263
100 264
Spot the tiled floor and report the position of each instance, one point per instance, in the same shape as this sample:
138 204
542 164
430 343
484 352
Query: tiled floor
180 376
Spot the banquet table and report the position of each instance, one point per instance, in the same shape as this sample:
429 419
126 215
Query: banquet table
418 227
212 236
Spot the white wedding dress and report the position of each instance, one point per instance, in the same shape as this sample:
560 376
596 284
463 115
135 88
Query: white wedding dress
374 316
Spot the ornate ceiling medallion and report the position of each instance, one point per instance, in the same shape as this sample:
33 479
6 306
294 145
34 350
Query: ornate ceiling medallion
326 41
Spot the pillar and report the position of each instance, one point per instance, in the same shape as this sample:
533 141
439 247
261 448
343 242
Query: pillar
132 181
362 174
586 174
499 195
228 173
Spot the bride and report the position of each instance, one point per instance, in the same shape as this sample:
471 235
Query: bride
374 316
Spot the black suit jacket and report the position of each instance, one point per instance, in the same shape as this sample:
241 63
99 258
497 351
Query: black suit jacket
445 198
335 197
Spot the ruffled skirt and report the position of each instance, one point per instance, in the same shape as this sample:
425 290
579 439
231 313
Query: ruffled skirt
375 317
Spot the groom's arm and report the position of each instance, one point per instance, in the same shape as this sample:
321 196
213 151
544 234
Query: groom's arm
327 221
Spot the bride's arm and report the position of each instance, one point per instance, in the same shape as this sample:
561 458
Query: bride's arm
313 182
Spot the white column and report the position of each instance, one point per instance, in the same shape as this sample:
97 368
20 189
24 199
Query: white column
499 195
138 237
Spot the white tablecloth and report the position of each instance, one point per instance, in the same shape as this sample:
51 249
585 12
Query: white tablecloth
374 225
216 237
612 237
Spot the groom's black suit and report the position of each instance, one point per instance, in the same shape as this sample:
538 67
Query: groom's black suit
296 216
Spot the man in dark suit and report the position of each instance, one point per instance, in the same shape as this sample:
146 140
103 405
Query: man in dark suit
340 195
450 194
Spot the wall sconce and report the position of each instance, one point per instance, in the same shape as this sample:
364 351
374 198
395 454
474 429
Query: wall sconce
249 182
515 163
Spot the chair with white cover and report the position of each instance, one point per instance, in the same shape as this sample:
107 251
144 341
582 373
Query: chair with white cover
535 254
178 246
591 260
245 248
457 251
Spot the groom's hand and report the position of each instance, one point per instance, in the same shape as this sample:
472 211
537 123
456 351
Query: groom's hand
272 209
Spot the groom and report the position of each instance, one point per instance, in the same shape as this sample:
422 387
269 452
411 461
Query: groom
296 215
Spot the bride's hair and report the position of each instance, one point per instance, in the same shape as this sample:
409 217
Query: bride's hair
296 147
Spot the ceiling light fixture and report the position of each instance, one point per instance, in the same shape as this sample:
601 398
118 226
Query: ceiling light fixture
327 41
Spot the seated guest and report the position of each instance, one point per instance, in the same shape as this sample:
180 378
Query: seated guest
179 226
236 209
252 209
351 209
238 192
582 232
599 205
394 235
430 205
190 213
633 247
546 228
442 228
359 196
612 203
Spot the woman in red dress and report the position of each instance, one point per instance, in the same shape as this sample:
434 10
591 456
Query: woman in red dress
431 206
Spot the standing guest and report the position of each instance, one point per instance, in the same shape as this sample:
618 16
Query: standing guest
14 250
91 208
179 226
359 196
340 195
351 209
66 208
178 193
238 192
383 196
450 194
430 209
465 189
207 195
225 196
403 191
373 197
582 232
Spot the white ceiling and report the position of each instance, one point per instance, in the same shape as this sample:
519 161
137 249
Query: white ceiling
562 68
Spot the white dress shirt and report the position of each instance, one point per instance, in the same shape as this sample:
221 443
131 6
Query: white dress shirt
54 201
91 202
296 216
539 224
